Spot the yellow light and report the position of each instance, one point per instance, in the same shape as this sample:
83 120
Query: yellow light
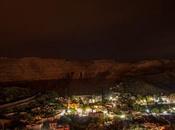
105 112
88 110
110 116
68 111
123 116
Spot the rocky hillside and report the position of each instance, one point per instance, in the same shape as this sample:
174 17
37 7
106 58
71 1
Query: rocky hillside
28 69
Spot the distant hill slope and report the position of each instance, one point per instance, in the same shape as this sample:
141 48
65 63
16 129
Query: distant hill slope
29 69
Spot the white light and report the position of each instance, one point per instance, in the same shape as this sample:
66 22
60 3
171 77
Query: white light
164 99
110 116
96 107
79 110
123 116
154 114
68 111
62 113
83 115
110 98
105 112
165 112
94 111
156 100
88 110
147 110
114 105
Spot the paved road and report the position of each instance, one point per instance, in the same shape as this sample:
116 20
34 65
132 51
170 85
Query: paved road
18 103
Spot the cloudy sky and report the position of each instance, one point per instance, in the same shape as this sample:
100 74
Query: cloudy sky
122 29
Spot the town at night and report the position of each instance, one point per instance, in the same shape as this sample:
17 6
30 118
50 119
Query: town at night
93 95
87 65
115 110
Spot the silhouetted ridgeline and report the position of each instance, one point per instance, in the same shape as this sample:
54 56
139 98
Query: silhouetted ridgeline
88 76
28 69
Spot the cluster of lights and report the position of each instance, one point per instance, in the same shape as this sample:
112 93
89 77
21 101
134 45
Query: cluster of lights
111 98
80 112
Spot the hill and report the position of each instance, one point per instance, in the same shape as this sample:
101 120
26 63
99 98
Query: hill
28 69
86 76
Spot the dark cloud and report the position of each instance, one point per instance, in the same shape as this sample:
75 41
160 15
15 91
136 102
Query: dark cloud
87 29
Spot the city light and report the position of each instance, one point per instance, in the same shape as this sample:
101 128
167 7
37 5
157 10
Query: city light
147 110
110 111
68 111
88 110
123 116
62 113
79 110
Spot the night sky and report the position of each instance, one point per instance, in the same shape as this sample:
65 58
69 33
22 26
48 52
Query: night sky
87 29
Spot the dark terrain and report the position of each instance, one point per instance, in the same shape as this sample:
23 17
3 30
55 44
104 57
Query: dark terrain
85 77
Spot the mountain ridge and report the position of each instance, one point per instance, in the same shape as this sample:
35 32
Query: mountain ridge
33 68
